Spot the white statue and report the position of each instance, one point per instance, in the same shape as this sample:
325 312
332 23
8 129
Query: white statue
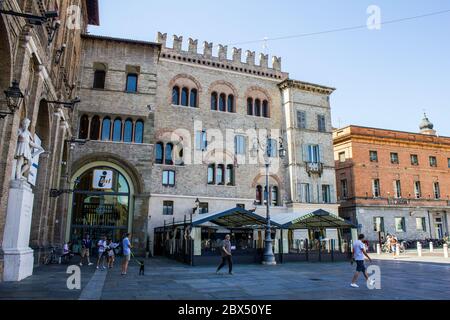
25 150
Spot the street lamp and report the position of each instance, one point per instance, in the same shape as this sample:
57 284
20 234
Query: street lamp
14 99
267 148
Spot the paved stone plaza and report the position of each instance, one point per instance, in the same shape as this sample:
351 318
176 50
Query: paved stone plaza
168 280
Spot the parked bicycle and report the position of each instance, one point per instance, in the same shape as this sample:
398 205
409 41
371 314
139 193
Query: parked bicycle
56 256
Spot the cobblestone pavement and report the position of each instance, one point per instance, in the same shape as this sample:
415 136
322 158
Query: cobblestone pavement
168 280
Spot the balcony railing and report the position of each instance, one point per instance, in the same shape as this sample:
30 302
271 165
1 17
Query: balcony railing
314 168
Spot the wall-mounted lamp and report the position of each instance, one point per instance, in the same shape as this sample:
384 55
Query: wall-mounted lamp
70 104
14 98
59 53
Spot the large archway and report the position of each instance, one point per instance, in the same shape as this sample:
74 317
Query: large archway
101 204
5 58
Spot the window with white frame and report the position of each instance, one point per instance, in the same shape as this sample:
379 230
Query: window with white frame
305 192
417 190
437 190
312 153
421 224
201 142
239 145
400 224
398 189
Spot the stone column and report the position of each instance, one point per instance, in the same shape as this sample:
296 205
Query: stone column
18 256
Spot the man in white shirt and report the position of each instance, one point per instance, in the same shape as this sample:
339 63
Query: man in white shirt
359 254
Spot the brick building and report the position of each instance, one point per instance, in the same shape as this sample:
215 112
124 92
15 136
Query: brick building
200 117
41 54
394 182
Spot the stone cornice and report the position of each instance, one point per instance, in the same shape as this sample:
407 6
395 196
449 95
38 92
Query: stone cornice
306 86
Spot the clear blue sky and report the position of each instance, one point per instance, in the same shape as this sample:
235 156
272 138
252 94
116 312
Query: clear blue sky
384 78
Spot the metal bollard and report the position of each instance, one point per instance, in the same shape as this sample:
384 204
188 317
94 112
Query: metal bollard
431 247
446 251
378 249
397 250
419 249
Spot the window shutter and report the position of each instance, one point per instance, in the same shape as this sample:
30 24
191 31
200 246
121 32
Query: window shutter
320 158
306 153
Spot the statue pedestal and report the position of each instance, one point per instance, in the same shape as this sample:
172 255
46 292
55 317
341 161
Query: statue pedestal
18 256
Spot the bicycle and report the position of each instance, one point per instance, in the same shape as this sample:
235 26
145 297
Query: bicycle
52 257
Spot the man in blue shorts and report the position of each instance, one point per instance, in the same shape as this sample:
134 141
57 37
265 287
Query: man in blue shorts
359 254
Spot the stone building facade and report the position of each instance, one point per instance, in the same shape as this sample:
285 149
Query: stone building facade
394 182
202 116
43 59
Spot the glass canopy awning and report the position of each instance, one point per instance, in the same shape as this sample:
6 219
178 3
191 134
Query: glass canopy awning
309 220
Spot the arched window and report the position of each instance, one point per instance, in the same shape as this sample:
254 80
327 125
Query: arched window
258 108
222 102
214 101
259 195
220 175
230 103
99 79
274 197
139 132
169 154
95 128
193 98
84 127
128 131
265 109
250 106
106 129
176 96
159 153
184 97
117 130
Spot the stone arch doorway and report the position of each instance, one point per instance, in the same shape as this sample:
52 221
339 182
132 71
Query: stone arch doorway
101 204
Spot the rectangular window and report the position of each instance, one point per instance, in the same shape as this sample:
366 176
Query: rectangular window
321 123
220 174
398 189
342 157
305 193
239 145
400 224
132 81
437 190
373 156
168 208
230 175
99 79
394 158
378 224
414 160
448 164
417 190
326 194
211 174
376 188
201 143
301 119
272 148
433 162
344 189
421 224
312 154
168 178
203 208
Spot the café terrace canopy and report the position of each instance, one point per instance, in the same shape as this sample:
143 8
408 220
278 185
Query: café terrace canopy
310 220
231 219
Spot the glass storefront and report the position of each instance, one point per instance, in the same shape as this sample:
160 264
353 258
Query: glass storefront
101 205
